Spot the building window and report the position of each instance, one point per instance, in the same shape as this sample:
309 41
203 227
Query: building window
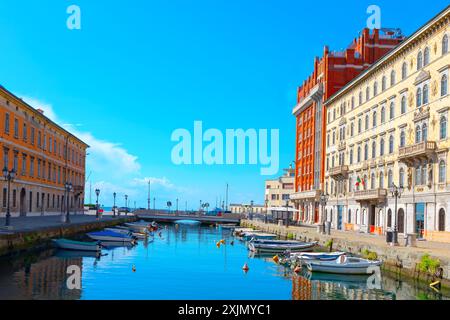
424 173
444 85
24 132
441 226
367 122
402 138
404 70
383 83
31 167
366 152
392 111
419 97
7 123
418 175
374 150
24 164
367 93
419 60
442 171
418 134
381 186
351 156
375 88
32 136
425 94
426 57
391 144
401 178
359 125
372 181
424 132
443 128
16 128
382 147
392 78
383 115
374 119
403 105
352 129
360 98
445 44
359 154
390 178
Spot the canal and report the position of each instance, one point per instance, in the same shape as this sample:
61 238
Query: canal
184 263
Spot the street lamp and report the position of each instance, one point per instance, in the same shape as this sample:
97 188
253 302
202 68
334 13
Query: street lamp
323 202
287 213
396 193
97 193
126 204
114 206
9 176
265 217
68 188
177 207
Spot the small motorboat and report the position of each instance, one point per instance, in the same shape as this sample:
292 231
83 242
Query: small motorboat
239 231
246 236
136 235
321 256
230 226
107 235
67 244
343 265
138 227
280 248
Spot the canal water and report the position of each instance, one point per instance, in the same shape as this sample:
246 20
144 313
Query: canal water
184 263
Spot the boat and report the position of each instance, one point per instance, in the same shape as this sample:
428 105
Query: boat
230 226
343 265
72 254
321 256
280 248
246 236
107 235
138 227
110 245
136 235
76 245
270 241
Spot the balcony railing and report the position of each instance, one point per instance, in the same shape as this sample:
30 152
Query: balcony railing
339 172
420 151
371 195
306 195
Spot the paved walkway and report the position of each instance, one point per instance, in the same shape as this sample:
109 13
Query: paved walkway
21 224
434 248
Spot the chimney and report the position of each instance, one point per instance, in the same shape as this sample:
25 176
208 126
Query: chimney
40 111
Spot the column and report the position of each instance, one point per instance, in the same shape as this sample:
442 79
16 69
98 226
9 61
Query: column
410 219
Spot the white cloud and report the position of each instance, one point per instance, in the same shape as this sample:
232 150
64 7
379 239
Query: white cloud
164 182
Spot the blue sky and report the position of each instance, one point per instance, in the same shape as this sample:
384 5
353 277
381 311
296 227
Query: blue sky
138 70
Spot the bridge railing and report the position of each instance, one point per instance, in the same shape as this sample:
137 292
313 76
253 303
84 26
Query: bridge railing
186 214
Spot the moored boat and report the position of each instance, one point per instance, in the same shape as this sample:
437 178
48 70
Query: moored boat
138 227
344 265
136 235
280 248
76 245
107 235
246 236
321 256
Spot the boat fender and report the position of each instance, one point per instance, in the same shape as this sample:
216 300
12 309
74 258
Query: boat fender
245 267
222 241
275 259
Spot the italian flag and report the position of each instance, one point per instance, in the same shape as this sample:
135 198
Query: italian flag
358 182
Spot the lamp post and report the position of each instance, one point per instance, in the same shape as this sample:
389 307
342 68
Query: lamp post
9 176
126 204
265 217
396 193
177 207
154 204
287 213
97 193
68 188
323 202
251 210
114 205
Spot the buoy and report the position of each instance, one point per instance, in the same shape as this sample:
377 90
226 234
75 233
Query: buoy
297 269
275 259
133 268
245 267
218 244
222 241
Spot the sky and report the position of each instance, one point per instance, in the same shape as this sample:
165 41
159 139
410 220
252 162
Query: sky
138 70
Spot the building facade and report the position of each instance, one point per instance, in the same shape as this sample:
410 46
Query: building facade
331 72
44 157
389 126
247 207
279 190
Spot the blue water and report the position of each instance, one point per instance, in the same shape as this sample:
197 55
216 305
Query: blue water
184 263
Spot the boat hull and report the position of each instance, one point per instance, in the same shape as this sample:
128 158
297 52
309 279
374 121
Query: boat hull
354 269
269 248
76 246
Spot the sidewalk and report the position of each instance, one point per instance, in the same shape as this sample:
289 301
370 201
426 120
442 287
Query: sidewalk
21 224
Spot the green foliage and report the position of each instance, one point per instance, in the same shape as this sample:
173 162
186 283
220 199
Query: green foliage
428 264
290 236
329 243
369 255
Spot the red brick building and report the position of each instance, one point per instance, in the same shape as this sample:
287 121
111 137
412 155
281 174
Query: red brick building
331 72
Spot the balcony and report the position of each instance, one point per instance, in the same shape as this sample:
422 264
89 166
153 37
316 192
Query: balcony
375 195
342 145
313 195
419 151
339 172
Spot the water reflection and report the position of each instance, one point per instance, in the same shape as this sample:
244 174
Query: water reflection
185 263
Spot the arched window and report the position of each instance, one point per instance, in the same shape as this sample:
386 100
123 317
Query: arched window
445 44
444 85
391 144
381 147
425 94
402 138
419 60
401 178
375 88
404 70
372 181
359 125
441 220
390 178
350 184
403 105
359 154
352 129
381 186
418 175
360 98
349 217
365 182
366 124
366 152
367 93
351 156
383 115
443 128
424 173
426 57
374 119
419 97
392 78
392 111
442 171
353 103
418 134
424 132
389 218
374 150
383 83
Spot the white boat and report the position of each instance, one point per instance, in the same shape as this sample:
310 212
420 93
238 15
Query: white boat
76 245
281 247
230 226
257 235
110 236
137 235
343 265
321 256
138 227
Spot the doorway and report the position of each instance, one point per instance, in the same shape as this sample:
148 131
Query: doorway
420 219
339 222
22 203
372 218
401 221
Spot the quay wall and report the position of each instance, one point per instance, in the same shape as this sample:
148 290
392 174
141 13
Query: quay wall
399 261
22 241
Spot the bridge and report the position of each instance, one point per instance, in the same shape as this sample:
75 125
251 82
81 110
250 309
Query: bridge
166 216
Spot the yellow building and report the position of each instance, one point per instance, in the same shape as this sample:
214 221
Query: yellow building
390 126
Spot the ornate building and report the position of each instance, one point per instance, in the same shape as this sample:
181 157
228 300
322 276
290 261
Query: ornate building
390 126
331 73
44 157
